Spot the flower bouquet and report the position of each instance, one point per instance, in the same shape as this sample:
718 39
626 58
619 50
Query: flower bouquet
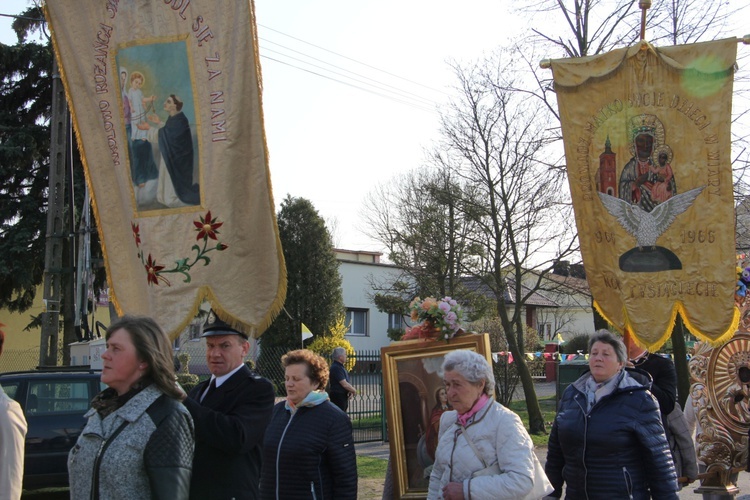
439 318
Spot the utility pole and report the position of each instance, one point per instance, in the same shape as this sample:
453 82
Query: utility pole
56 229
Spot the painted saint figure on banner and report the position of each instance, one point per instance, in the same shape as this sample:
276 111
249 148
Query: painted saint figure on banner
176 186
643 180
142 166
662 175
419 380
163 150
647 201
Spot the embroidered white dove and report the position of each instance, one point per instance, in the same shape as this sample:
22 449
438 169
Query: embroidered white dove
648 226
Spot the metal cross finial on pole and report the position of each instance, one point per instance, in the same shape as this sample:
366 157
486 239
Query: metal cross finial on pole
644 6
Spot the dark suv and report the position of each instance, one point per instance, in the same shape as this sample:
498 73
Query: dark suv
54 402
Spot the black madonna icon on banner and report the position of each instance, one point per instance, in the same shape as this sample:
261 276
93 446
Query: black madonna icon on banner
645 202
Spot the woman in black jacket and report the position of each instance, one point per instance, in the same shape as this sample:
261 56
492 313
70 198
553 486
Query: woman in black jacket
308 450
607 440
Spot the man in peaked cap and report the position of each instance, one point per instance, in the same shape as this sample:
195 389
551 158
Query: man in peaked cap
231 412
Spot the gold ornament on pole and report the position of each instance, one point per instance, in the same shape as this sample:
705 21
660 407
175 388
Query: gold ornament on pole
644 5
720 400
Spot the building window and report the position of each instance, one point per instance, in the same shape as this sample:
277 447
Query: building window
195 330
395 321
356 322
545 330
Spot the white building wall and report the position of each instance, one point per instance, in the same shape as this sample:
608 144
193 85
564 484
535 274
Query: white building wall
356 289
575 314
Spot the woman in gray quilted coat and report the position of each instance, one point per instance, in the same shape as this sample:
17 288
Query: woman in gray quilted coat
138 442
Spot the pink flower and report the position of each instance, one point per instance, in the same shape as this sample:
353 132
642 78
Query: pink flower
452 319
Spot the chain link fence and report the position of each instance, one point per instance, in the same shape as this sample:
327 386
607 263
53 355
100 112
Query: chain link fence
16 360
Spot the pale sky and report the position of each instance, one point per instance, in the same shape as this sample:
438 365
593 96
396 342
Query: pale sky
332 138
351 90
331 142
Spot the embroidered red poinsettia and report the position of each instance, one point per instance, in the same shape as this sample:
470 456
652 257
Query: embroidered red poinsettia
152 271
207 227
136 233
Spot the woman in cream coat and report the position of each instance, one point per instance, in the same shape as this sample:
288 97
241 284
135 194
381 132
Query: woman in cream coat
484 451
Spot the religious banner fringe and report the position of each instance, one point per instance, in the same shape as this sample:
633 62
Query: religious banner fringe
166 104
647 143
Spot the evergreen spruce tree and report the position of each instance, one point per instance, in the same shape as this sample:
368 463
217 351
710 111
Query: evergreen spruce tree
25 111
25 100
313 294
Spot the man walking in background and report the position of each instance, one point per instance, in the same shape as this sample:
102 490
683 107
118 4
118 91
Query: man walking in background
341 389
12 442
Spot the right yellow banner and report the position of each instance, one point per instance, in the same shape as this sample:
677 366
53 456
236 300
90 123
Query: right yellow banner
647 142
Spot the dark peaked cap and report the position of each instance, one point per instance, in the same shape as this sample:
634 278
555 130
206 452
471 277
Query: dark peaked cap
215 326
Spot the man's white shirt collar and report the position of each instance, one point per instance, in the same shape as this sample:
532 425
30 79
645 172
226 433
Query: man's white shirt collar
223 378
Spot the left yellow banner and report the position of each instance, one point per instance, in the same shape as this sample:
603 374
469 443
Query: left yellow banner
166 103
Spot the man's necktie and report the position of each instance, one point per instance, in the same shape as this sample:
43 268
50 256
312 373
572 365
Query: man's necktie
211 388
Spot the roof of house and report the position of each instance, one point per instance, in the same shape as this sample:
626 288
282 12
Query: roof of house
576 284
535 299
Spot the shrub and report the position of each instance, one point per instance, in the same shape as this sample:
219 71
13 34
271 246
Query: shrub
506 380
531 340
186 379
395 333
498 337
537 366
578 342
325 344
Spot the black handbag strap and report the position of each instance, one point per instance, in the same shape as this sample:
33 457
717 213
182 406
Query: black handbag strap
98 463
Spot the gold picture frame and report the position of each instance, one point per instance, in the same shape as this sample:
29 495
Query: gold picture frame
412 383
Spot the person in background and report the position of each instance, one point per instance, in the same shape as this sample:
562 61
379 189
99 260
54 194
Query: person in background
308 451
341 388
483 451
607 440
664 388
695 430
12 442
663 375
231 411
138 440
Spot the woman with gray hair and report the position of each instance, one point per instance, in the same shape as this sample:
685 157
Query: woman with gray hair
484 451
607 440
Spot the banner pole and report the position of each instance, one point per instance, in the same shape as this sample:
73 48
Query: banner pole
644 6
